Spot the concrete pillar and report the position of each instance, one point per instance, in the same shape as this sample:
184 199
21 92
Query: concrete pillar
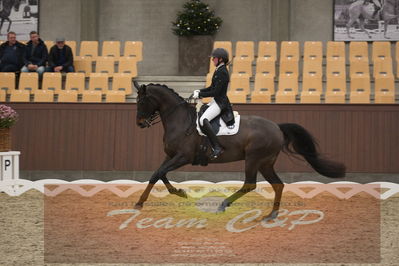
89 16
281 26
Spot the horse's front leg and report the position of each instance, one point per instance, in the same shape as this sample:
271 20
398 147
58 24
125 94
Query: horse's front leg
348 28
168 165
386 29
361 25
9 24
172 190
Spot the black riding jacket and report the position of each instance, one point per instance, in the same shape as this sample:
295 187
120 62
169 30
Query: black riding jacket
218 88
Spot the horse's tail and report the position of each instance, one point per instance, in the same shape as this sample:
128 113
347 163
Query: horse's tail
303 143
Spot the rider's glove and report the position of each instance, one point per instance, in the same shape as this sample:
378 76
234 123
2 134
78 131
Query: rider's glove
196 94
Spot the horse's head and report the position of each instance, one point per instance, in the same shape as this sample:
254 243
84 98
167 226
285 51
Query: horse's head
147 107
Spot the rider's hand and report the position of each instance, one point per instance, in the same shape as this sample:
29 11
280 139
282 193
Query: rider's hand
196 94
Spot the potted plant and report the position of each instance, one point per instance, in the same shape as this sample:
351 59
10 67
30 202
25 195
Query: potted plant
8 117
195 26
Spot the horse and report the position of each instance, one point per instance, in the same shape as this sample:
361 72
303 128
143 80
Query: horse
258 142
358 11
6 7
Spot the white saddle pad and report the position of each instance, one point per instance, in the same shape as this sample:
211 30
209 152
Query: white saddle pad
225 130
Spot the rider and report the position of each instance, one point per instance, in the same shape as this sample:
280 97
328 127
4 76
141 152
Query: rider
377 5
220 102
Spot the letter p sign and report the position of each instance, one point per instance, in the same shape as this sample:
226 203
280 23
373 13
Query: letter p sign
6 167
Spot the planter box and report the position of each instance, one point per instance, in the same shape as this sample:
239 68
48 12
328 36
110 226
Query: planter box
194 52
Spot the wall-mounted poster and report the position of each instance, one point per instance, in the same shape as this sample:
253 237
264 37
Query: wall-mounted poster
19 16
366 20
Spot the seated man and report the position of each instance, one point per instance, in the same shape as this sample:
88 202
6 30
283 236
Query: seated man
35 54
11 54
60 57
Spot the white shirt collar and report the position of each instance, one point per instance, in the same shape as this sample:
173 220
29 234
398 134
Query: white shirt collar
221 64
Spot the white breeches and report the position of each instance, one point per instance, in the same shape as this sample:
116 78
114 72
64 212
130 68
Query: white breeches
210 113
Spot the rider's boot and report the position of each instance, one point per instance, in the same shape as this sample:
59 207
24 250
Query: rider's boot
216 147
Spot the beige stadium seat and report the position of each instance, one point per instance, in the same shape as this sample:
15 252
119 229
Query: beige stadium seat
67 96
83 64
336 82
89 49
43 96
128 65
242 66
29 81
336 67
122 82
115 97
245 50
286 95
288 83
313 51
7 81
289 67
261 96
313 67
358 50
111 49
3 95
359 66
238 95
105 64
381 50
52 81
383 67
310 96
384 89
359 96
72 44
208 82
133 49
20 96
75 82
264 89
336 50
264 82
91 96
49 44
226 45
240 81
98 82
312 82
335 95
360 82
289 50
267 50
266 66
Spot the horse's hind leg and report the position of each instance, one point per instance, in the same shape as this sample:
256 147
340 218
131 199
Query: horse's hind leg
361 25
270 175
348 27
251 169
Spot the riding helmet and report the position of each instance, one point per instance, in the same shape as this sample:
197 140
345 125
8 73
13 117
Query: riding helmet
221 53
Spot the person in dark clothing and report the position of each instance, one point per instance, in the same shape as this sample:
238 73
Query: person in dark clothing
11 54
36 55
60 57
220 103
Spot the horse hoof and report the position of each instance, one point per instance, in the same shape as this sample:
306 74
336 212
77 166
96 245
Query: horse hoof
181 193
273 215
138 206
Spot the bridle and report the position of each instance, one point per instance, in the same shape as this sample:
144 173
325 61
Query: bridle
155 118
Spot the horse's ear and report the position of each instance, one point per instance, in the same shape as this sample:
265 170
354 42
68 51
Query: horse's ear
136 85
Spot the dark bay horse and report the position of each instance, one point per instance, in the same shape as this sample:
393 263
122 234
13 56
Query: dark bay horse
5 11
258 142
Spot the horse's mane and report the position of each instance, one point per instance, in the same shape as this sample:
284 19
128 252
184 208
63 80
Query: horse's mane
191 108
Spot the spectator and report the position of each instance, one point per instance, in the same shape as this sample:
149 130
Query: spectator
36 55
11 54
60 57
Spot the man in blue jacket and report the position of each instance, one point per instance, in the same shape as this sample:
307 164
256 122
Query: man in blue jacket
11 54
36 55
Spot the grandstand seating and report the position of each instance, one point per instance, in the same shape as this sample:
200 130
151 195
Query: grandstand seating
7 81
89 49
245 50
111 49
267 50
52 82
133 49
29 81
